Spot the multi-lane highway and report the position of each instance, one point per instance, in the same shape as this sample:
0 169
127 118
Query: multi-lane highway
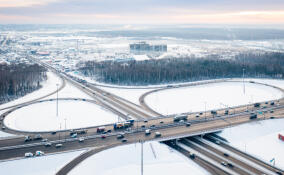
145 118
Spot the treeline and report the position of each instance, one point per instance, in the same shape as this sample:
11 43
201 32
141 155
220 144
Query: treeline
16 80
184 69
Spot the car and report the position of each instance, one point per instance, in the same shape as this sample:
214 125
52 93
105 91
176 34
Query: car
158 134
74 135
271 111
39 153
272 103
147 132
143 126
192 155
217 142
224 163
120 136
59 145
109 131
161 122
105 132
28 138
124 140
48 144
197 116
53 133
187 124
103 136
145 121
44 140
29 154
81 139
152 126
279 173
38 137
272 117
181 121
3 127
230 165
226 154
200 113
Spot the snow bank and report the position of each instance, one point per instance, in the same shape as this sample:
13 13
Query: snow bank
42 116
126 160
259 139
210 96
45 165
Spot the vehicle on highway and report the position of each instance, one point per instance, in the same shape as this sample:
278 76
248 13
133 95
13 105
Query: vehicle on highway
3 127
74 135
147 132
48 144
39 153
38 137
101 129
161 122
180 117
145 121
109 131
103 136
143 126
53 133
192 155
226 154
213 112
197 116
256 105
124 140
188 124
120 136
59 145
230 165
29 154
226 112
44 140
224 163
158 134
81 139
272 103
152 126
253 116
28 138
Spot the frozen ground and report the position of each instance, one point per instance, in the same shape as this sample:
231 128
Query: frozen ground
42 116
70 91
211 96
47 87
126 160
45 165
260 139
4 134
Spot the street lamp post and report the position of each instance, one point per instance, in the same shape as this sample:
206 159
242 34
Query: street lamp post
57 100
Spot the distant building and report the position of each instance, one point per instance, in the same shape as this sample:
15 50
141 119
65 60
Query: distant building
145 47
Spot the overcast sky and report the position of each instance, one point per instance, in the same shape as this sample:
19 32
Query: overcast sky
142 11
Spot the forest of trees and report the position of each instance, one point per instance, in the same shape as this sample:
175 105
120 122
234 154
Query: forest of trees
184 69
16 80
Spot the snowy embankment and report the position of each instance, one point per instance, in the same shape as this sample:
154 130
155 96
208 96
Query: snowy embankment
47 87
259 139
126 160
71 115
45 165
210 96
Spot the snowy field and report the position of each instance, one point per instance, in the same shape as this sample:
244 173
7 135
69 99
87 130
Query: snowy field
45 165
211 96
42 116
47 87
126 160
259 139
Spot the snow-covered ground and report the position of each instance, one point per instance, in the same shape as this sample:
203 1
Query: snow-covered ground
210 96
42 116
45 165
4 134
259 139
126 160
48 86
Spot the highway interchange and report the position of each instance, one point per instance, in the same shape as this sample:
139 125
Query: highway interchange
146 118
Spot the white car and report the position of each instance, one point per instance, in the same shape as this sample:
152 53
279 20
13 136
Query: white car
81 139
39 153
59 145
29 154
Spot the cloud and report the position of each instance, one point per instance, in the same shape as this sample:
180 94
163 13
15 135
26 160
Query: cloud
144 11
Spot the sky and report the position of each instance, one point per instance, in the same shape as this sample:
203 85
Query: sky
142 12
